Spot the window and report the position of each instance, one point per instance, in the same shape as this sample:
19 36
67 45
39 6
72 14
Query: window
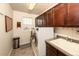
27 22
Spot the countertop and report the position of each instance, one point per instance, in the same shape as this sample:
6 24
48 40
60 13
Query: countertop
67 47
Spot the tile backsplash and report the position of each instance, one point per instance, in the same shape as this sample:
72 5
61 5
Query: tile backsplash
68 31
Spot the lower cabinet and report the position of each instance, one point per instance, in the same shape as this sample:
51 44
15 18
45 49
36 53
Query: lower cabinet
59 53
52 51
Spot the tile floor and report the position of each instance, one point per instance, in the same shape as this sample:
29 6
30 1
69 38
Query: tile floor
23 51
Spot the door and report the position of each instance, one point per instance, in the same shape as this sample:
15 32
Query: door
73 14
60 15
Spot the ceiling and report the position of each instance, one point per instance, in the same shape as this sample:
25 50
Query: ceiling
38 8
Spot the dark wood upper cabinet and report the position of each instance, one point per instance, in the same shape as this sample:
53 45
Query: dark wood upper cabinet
60 15
73 14
45 19
50 22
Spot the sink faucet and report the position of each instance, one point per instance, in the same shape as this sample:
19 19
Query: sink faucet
67 38
71 40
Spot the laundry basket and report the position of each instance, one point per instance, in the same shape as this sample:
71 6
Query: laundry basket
16 42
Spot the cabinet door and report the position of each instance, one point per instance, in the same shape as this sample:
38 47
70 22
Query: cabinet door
36 21
45 19
39 21
50 51
60 15
50 18
73 14
59 53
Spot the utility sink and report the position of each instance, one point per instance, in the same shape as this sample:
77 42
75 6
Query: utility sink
71 47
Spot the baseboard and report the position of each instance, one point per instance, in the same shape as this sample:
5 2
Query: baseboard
10 52
24 43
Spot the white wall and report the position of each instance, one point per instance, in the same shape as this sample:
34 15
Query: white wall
23 34
5 37
68 31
